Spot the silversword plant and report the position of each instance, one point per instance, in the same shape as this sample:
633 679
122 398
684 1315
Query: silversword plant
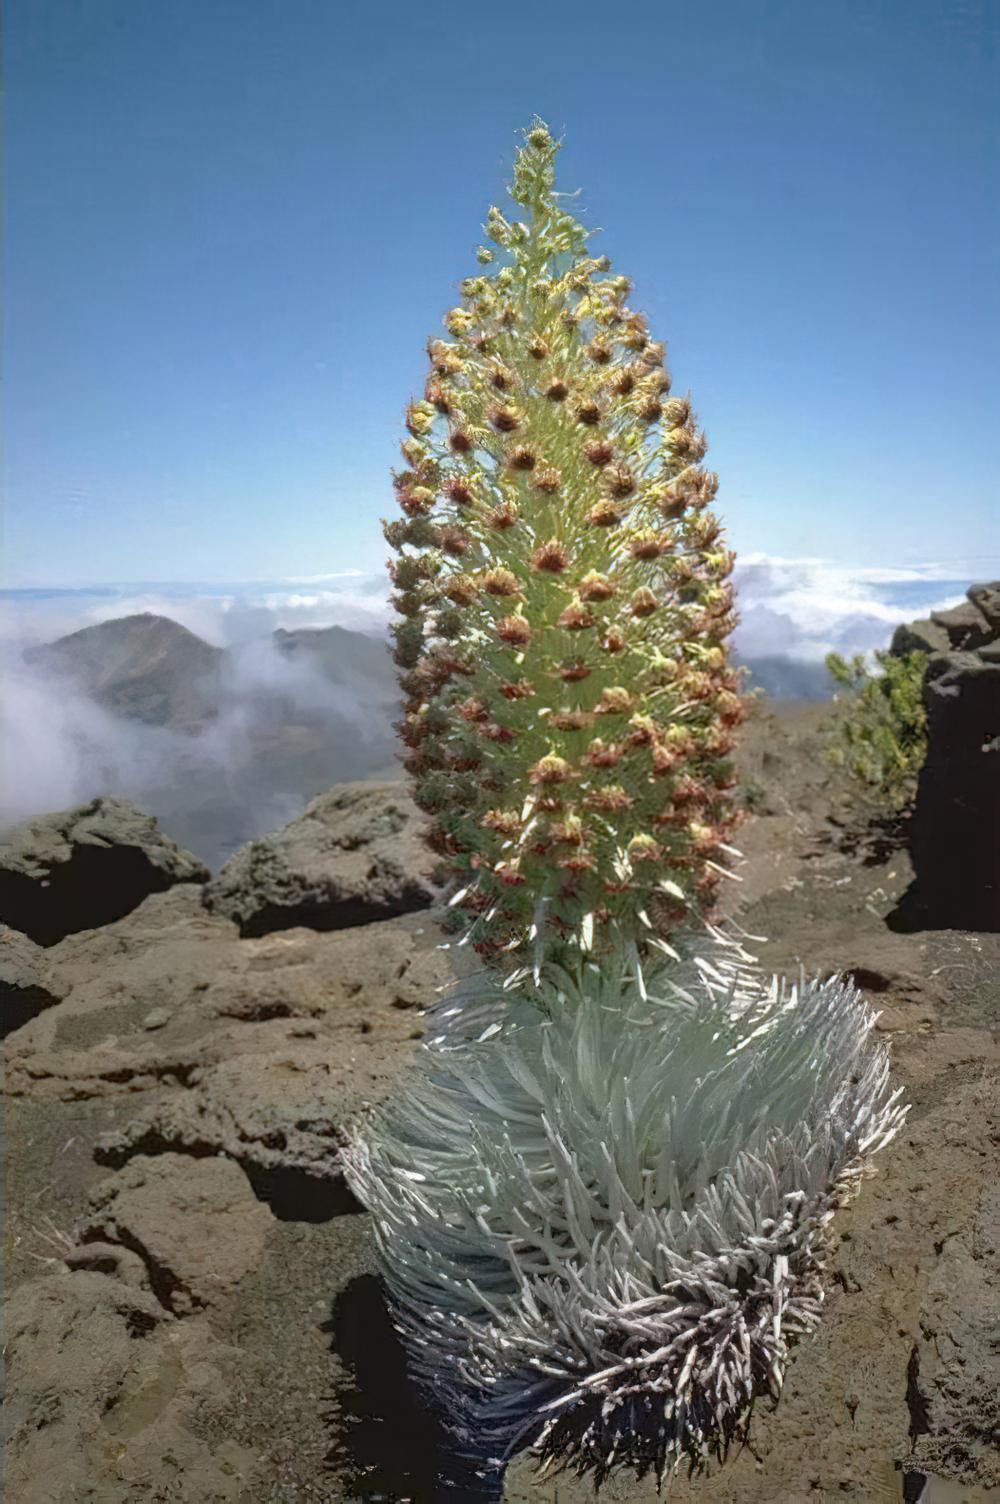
600 1200
602 1224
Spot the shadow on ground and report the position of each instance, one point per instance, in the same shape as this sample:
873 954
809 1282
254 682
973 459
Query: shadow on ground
388 1449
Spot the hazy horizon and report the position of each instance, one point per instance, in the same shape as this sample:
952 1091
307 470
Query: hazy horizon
792 607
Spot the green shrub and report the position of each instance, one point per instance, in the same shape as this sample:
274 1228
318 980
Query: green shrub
881 739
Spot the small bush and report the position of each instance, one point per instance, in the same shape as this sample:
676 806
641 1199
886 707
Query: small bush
881 739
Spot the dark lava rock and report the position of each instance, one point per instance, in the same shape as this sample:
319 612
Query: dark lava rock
955 838
966 626
26 983
971 625
356 855
84 867
924 636
986 599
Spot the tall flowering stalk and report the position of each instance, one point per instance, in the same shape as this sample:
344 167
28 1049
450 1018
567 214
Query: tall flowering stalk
564 597
600 1201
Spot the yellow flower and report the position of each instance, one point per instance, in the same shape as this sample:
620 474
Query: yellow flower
550 769
457 321
643 848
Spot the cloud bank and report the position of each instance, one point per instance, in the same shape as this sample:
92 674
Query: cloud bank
806 608
283 730
799 608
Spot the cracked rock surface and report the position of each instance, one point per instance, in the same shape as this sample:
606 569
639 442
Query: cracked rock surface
170 993
171 1129
26 983
111 1399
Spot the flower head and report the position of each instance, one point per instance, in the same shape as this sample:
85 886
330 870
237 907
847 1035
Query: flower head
502 582
595 587
550 769
514 630
551 557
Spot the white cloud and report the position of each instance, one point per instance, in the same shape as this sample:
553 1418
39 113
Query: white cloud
806 608
321 579
799 608
201 614
219 613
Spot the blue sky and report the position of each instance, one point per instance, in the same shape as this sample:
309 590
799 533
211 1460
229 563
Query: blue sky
232 225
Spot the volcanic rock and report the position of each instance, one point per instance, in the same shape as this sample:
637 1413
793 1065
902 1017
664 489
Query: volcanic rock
26 984
355 855
196 1225
259 1049
109 1397
953 1367
970 625
159 1359
84 867
956 824
965 624
955 832
924 636
986 599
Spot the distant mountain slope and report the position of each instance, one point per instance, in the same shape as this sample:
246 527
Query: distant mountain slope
145 668
220 744
353 659
150 668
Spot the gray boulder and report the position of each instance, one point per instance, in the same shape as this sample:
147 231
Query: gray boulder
356 855
972 624
986 599
84 867
966 626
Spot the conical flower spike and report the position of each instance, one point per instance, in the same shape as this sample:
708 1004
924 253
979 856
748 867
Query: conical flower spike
558 568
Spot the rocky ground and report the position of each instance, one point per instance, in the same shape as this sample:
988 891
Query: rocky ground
193 1313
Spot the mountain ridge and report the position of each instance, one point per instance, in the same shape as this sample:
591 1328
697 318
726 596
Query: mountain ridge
143 667
151 668
220 743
